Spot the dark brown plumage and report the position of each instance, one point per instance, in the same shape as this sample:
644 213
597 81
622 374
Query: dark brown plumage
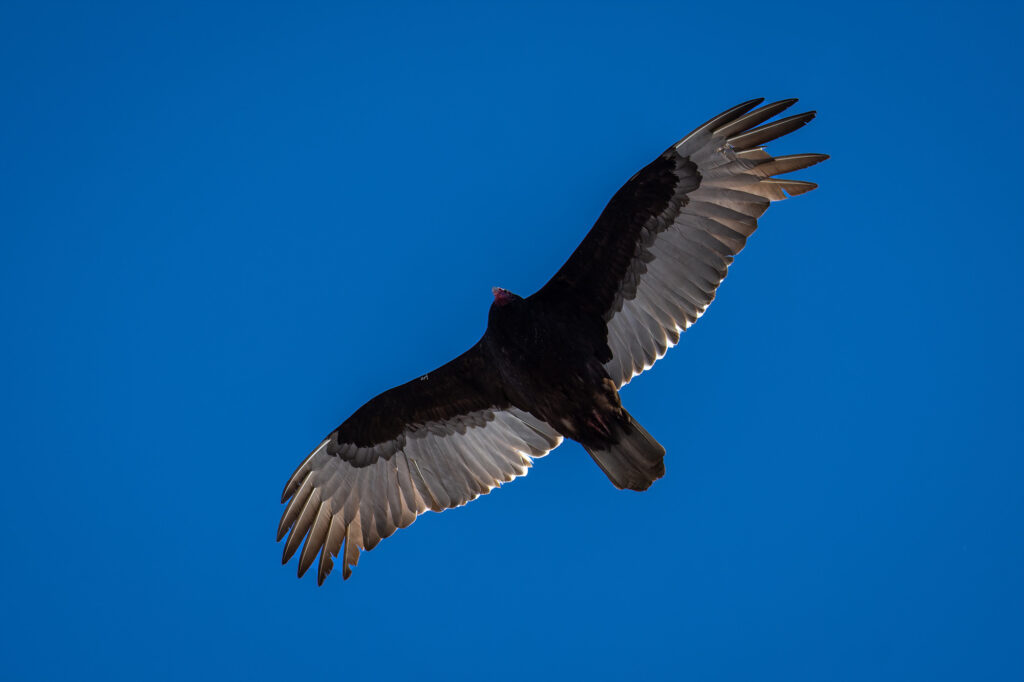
549 366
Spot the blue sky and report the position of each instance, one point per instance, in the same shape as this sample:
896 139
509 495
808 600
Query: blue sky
226 226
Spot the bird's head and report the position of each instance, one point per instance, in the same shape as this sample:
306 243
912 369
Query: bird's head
505 311
503 297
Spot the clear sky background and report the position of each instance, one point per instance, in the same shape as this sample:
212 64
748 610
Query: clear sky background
226 226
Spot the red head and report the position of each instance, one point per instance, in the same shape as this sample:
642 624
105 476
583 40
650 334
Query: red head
502 296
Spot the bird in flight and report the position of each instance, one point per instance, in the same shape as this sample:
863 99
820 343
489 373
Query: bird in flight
550 365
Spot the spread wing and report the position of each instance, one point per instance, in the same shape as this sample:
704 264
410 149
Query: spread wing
651 264
434 443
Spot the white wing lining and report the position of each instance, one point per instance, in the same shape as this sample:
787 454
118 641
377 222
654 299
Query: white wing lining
435 466
684 253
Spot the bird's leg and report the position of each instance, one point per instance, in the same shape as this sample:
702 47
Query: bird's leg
607 408
598 423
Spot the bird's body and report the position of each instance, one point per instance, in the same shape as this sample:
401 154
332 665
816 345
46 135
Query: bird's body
543 367
550 365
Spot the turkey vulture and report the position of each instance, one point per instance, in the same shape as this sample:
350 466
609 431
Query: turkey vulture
551 365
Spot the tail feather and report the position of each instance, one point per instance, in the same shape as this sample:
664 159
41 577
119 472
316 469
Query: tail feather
633 459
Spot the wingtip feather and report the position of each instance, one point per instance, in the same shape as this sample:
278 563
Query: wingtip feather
770 131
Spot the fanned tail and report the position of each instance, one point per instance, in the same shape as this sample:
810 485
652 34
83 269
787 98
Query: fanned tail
632 459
